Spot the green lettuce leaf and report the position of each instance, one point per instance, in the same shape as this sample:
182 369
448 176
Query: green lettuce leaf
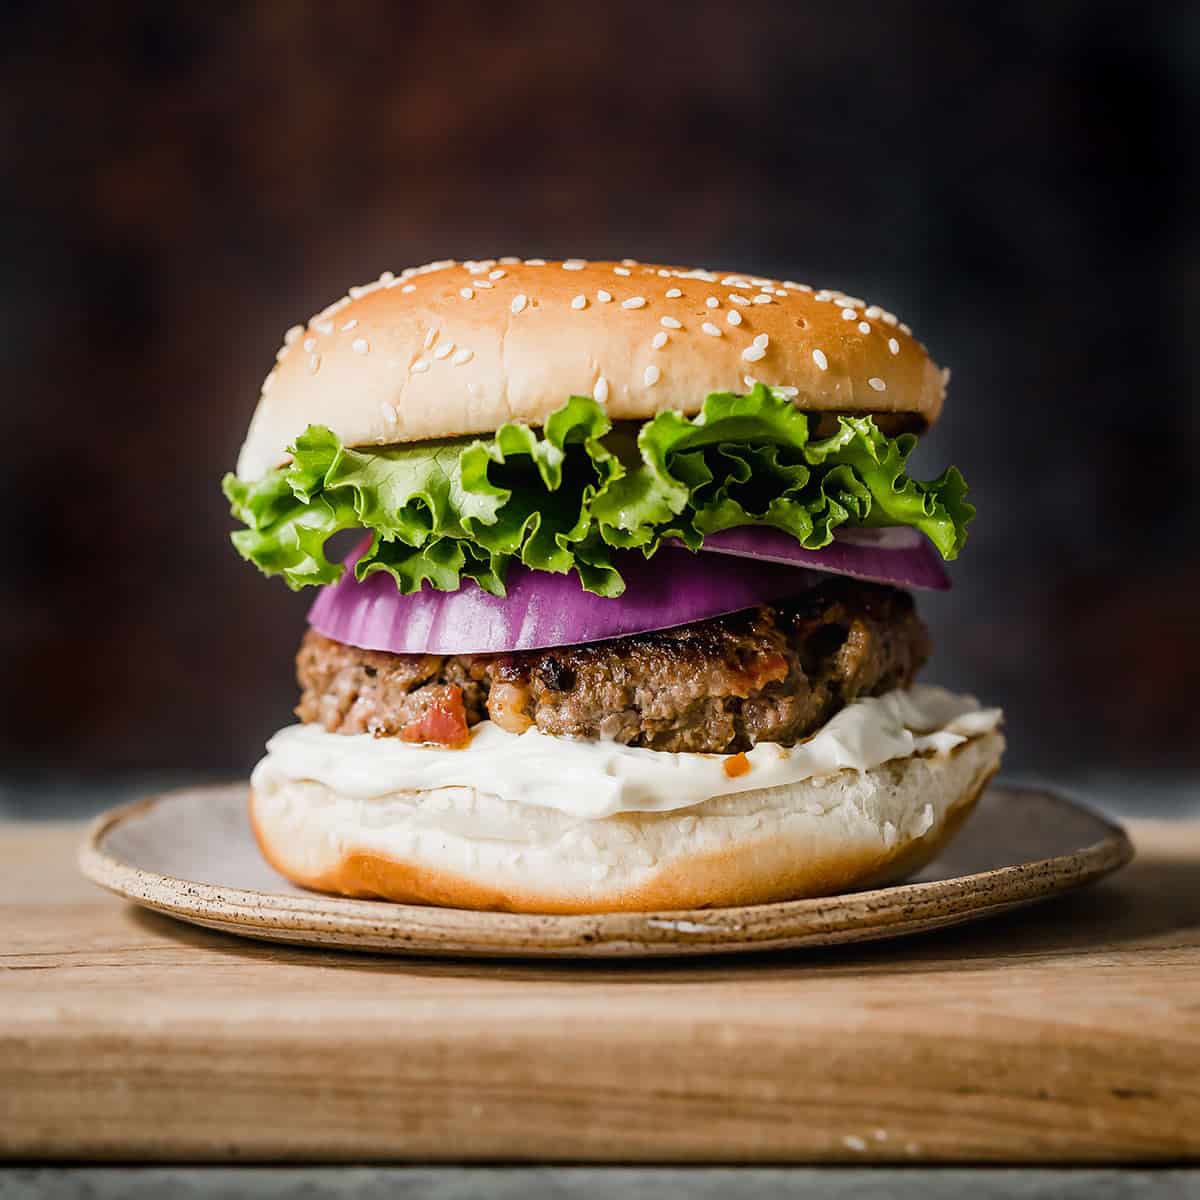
565 497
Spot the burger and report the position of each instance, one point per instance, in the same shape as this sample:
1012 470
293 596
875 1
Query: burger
625 616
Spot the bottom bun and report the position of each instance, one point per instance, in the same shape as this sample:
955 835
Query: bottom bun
463 848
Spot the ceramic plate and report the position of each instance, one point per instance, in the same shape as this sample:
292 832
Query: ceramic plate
190 854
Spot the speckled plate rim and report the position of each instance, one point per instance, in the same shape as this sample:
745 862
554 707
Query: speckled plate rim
382 927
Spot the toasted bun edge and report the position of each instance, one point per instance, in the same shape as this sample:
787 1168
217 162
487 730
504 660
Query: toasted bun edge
758 847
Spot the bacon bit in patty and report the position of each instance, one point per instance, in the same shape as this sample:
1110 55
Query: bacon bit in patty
508 705
737 764
444 721
762 670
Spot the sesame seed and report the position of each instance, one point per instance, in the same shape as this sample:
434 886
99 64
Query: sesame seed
762 341
663 273
600 391
518 302
848 314
749 381
893 345
292 334
733 317
350 324
818 356
780 292
282 352
314 363
905 329
630 262
509 260
580 301
409 287
674 293
711 329
761 299
497 274
466 293
873 313
603 296
360 345
431 335
357 292
789 392
634 302
877 383
651 375
535 262
310 344
889 318
574 264
754 353
820 298
621 271
462 356
945 377
670 323
325 327
713 302
864 327
483 283
444 350
420 366
741 301
659 340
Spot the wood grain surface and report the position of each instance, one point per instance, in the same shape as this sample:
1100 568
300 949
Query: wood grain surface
1066 1032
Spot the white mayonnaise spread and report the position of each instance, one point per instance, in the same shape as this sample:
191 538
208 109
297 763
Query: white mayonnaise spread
599 779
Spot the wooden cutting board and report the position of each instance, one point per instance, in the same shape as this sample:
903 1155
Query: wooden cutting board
1069 1031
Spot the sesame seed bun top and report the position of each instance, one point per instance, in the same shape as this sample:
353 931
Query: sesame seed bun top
460 348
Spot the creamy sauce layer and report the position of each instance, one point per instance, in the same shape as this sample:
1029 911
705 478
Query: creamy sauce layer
599 779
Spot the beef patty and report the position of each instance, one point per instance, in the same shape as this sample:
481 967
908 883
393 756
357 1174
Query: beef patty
770 674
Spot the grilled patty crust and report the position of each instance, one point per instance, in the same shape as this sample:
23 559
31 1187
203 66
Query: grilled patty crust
770 674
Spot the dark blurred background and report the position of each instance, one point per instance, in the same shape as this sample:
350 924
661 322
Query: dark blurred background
184 181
